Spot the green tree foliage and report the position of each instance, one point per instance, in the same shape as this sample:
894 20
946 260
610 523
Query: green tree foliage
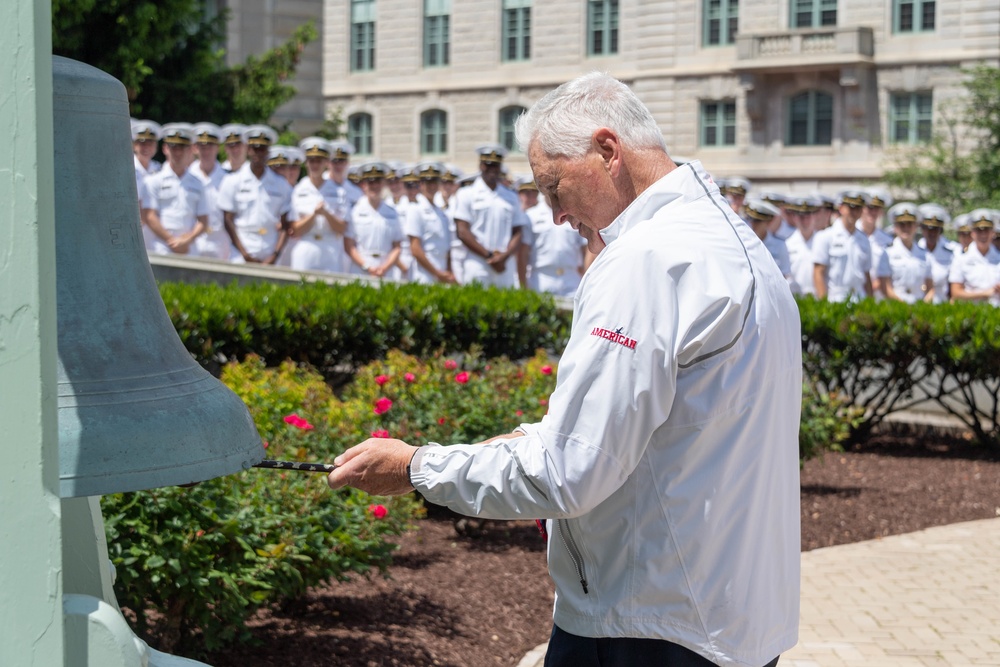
168 54
945 170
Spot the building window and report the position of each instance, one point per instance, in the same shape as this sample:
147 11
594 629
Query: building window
508 116
602 31
810 119
359 132
721 19
910 118
718 123
913 15
516 44
437 32
814 13
362 35
433 132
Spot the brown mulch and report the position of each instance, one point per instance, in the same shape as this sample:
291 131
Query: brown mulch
475 600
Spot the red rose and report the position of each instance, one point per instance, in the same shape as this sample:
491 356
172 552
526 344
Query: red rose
450 364
462 377
380 434
382 405
378 511
441 420
381 379
519 413
546 370
298 422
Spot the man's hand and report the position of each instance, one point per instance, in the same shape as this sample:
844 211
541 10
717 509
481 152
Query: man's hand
376 466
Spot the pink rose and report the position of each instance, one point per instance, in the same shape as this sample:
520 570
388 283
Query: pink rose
381 379
409 377
298 422
380 434
462 377
546 370
378 511
519 413
450 364
382 405
266 444
543 401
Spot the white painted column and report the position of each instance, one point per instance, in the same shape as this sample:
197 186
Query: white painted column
31 604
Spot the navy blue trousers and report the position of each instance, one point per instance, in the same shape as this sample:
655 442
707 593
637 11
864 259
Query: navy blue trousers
566 650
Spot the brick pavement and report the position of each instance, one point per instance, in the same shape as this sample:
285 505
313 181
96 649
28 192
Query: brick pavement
924 599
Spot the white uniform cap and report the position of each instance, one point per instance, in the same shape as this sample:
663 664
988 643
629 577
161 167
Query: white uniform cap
491 153
960 223
370 171
525 184
429 171
145 130
315 147
207 133
933 215
736 185
879 197
773 197
279 156
233 133
296 155
904 211
341 150
451 173
180 134
981 217
259 135
852 198
758 210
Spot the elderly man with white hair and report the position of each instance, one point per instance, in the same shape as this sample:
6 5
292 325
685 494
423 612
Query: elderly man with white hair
667 465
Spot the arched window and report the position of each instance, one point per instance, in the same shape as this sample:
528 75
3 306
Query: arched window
359 132
508 115
810 119
433 132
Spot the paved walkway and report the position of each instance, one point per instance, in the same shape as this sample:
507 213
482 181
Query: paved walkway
924 599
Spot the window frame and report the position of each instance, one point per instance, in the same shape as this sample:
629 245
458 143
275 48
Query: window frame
438 134
505 126
362 40
817 8
602 27
437 33
915 116
727 13
519 34
721 124
361 138
917 16
812 119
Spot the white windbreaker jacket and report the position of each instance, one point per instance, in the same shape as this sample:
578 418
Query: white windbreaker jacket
668 462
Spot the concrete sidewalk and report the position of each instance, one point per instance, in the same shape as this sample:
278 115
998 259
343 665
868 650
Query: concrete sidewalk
930 598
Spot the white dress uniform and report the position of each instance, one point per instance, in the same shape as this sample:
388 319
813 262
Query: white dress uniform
141 174
977 271
908 268
426 221
374 232
779 252
178 200
940 260
492 216
800 257
848 258
458 249
405 256
214 243
879 240
257 206
556 257
321 248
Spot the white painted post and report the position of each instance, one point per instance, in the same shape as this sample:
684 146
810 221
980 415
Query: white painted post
31 605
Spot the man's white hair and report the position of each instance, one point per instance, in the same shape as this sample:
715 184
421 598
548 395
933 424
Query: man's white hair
564 121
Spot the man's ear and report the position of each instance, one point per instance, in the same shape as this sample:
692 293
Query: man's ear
606 144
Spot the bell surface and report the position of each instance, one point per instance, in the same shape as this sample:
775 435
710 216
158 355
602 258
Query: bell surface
135 410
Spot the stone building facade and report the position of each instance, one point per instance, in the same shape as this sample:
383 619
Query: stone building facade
797 95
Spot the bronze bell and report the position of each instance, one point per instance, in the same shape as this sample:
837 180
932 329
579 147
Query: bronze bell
135 410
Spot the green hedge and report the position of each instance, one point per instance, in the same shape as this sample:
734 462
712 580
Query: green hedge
886 357
338 328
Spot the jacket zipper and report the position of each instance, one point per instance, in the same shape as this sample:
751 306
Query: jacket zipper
574 552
